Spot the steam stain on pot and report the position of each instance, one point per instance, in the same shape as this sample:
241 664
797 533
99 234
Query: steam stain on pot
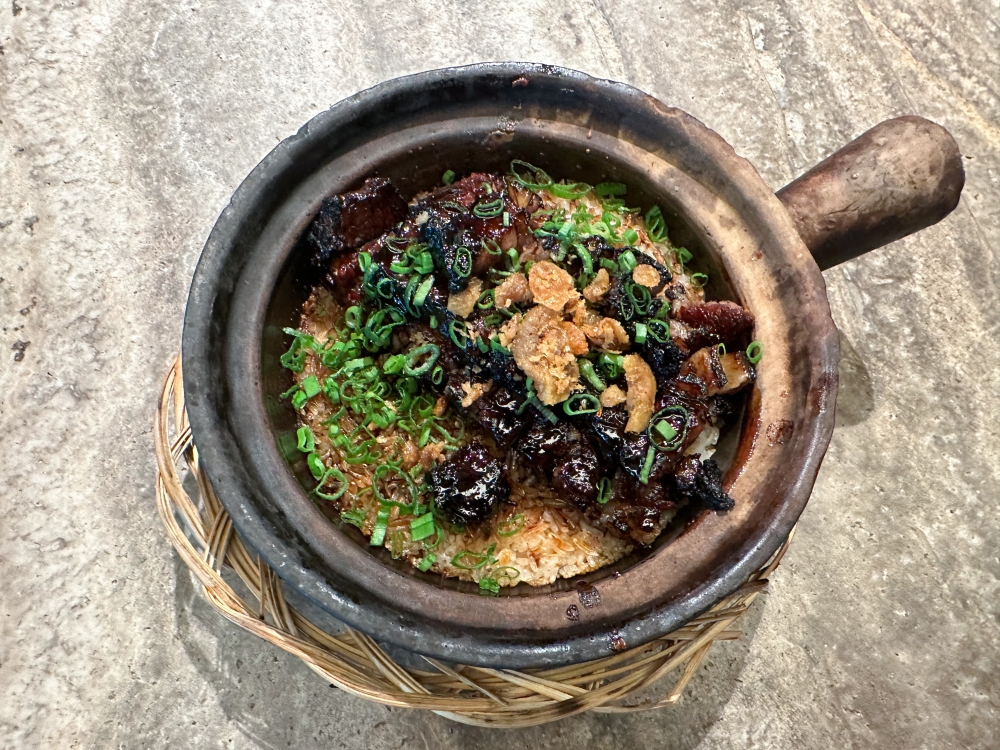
589 596
780 432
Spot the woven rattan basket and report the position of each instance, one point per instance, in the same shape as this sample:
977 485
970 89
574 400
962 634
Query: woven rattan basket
203 535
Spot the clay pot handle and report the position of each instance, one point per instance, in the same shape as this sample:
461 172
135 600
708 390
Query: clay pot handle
901 176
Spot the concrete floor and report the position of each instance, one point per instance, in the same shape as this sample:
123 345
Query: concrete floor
126 124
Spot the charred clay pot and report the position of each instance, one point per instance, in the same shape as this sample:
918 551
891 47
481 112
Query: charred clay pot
764 251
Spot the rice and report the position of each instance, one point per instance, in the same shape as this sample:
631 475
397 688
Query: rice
539 537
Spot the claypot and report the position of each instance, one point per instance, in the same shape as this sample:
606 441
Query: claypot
763 250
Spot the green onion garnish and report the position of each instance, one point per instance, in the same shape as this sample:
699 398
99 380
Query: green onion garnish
585 403
306 441
422 291
610 189
658 330
585 258
448 177
609 265
683 255
668 428
506 218
458 332
381 523
308 388
426 562
506 571
755 351
591 375
604 491
410 366
699 279
394 364
462 266
316 466
422 527
467 560
437 374
496 346
647 465
510 526
489 209
640 333
630 236
337 474
352 317
355 516
538 178
656 227
489 585
491 246
612 364
364 261
626 262
721 349
486 299
569 191
544 410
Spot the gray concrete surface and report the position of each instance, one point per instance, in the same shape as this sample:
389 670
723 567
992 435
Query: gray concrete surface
126 124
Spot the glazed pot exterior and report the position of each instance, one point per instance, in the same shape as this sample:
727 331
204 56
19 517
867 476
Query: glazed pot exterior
250 284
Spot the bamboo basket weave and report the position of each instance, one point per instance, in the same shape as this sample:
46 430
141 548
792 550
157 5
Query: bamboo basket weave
203 535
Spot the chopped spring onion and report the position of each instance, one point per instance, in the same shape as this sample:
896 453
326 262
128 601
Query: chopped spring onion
609 265
721 350
491 246
754 352
604 491
422 291
381 523
458 332
656 227
506 571
683 255
585 258
489 209
699 279
336 474
612 364
394 364
364 261
506 218
486 299
510 526
627 261
426 562
630 236
489 586
585 403
587 368
482 345
410 366
658 330
306 441
647 465
668 428
610 189
496 346
316 465
536 178
422 527
308 388
468 560
640 333
437 374
544 410
462 266
352 316
569 191
448 177
355 516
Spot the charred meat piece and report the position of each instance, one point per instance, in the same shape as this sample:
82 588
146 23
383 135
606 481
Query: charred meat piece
663 357
344 276
469 487
634 510
721 374
628 449
497 412
348 221
701 482
713 323
564 452
468 225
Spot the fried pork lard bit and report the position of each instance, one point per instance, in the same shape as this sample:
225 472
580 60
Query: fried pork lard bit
469 487
349 220
542 350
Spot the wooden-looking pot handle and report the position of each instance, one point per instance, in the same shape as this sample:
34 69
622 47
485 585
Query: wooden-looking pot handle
901 176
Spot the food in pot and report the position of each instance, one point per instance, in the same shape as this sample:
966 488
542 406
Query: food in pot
511 379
